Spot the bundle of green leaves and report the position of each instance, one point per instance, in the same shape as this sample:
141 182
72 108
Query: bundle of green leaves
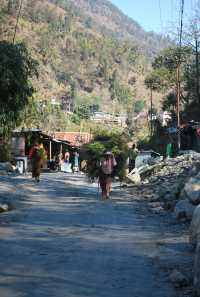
115 142
42 154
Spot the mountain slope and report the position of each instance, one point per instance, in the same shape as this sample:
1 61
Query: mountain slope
88 51
107 17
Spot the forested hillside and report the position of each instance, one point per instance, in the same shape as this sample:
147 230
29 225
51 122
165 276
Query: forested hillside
88 52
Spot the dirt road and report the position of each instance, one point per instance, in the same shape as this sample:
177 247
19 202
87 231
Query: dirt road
62 241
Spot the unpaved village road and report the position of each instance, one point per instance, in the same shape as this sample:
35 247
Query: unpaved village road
62 241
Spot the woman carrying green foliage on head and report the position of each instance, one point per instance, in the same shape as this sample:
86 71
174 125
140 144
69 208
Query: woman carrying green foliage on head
111 148
106 171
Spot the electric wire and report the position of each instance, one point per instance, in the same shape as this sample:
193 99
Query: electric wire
161 19
172 12
181 23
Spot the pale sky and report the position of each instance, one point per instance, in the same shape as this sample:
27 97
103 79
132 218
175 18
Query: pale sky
156 15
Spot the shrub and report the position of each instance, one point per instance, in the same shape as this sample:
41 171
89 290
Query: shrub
4 151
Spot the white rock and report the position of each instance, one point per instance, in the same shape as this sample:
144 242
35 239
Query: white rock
192 190
184 210
3 207
135 178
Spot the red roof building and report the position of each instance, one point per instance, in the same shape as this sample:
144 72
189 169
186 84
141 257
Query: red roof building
75 138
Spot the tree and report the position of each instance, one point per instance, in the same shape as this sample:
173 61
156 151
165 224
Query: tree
139 106
155 80
81 112
16 67
192 39
165 66
164 74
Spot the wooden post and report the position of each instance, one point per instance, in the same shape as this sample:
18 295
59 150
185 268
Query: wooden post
50 151
178 105
151 110
178 78
197 68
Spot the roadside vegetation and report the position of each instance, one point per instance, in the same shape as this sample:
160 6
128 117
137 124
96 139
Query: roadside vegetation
80 67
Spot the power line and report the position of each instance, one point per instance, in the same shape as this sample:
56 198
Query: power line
160 11
172 11
181 23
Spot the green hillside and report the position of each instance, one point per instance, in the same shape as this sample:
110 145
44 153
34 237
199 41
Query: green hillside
88 52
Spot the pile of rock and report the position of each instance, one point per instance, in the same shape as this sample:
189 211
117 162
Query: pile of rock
189 196
175 184
185 197
177 187
164 185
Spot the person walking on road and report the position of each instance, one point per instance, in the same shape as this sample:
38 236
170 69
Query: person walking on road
106 170
37 155
133 152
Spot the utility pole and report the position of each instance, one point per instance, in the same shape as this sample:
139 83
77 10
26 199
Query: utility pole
18 16
178 104
197 67
151 111
178 79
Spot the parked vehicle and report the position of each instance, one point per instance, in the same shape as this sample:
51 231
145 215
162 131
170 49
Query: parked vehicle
147 158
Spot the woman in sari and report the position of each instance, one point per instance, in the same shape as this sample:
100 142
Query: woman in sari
37 154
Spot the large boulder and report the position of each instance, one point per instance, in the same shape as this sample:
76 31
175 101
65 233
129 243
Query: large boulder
192 190
134 177
184 210
196 279
195 227
195 169
195 241
6 167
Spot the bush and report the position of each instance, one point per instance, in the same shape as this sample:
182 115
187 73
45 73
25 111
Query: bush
4 152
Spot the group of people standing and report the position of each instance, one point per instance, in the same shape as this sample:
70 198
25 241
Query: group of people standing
70 162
